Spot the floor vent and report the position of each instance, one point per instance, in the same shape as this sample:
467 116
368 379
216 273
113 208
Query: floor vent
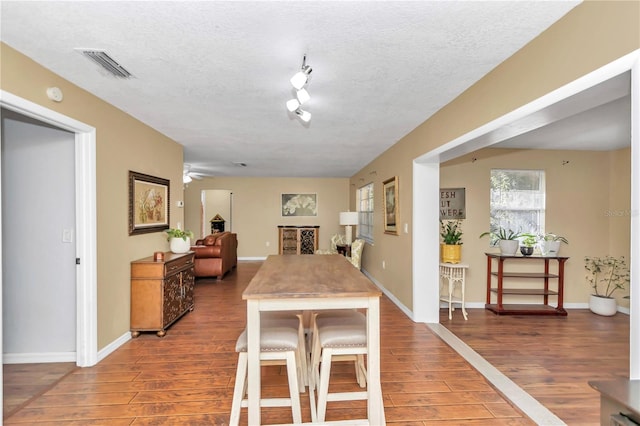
101 58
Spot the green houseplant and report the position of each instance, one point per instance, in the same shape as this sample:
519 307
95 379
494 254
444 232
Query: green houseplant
528 243
179 240
507 239
450 247
550 243
605 276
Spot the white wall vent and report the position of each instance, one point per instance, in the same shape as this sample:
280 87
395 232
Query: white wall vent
103 59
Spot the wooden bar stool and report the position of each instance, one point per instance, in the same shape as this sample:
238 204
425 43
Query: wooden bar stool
338 336
279 345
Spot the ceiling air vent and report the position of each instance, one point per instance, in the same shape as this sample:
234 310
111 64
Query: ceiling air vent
101 58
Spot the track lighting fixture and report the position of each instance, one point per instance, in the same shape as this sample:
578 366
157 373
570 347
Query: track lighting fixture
299 81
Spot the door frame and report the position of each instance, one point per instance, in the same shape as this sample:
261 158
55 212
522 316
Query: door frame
426 176
85 208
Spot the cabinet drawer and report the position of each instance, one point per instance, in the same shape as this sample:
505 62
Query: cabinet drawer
178 264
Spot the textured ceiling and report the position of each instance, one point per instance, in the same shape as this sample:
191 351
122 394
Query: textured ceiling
214 76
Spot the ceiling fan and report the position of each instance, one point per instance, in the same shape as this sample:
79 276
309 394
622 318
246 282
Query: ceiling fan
188 175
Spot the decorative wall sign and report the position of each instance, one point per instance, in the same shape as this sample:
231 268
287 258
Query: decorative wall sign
391 202
452 204
299 205
148 203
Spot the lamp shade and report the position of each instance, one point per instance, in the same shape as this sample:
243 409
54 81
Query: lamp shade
348 218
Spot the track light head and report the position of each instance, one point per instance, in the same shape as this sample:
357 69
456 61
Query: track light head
292 105
304 115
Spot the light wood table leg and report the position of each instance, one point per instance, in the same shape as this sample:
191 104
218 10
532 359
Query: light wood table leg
253 367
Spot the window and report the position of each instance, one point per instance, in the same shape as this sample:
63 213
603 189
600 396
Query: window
518 200
365 213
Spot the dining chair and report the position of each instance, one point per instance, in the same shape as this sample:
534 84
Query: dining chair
338 335
279 345
356 253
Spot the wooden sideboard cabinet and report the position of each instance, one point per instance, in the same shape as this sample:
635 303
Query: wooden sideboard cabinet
298 239
540 292
161 292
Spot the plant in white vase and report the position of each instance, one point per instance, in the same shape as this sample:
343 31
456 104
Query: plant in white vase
605 276
550 244
506 239
179 240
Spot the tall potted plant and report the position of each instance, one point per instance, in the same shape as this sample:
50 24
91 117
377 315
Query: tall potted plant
451 245
605 276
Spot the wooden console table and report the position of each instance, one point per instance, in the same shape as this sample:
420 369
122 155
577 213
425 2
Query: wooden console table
525 309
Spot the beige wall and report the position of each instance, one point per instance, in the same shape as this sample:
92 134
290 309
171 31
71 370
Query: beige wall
593 34
122 144
579 206
256 208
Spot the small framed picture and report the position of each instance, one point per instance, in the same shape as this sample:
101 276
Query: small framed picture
148 203
391 201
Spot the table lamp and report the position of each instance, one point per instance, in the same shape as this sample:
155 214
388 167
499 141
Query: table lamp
348 219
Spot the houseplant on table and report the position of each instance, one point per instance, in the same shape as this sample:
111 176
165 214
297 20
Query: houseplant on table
528 244
550 244
179 240
605 276
451 245
506 238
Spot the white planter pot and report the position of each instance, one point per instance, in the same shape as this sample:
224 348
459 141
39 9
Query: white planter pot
508 247
550 248
606 306
178 245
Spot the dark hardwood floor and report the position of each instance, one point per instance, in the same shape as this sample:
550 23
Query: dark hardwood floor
187 376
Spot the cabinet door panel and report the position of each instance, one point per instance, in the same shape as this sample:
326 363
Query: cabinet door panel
172 307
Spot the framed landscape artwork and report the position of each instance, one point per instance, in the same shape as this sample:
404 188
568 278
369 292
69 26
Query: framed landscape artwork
148 203
390 200
299 205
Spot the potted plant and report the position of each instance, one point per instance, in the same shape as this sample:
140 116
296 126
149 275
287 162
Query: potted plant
179 240
528 243
450 248
550 244
605 276
506 238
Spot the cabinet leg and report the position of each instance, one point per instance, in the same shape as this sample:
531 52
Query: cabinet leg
135 334
161 333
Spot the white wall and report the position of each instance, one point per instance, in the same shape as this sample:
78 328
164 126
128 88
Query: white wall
38 190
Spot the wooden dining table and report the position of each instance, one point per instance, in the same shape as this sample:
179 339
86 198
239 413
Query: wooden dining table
312 283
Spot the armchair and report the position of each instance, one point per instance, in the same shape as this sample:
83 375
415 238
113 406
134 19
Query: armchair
337 239
356 253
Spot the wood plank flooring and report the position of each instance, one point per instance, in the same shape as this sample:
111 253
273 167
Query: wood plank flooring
552 358
187 376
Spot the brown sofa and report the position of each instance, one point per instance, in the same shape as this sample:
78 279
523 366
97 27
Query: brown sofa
215 254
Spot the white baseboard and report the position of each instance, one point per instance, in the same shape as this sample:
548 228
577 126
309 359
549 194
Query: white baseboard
36 358
111 347
386 292
252 258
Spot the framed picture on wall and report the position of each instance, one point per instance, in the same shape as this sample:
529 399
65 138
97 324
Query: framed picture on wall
148 203
299 204
390 200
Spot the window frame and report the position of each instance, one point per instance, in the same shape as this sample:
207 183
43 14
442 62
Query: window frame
366 212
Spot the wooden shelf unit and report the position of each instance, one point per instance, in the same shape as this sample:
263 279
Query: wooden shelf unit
500 290
297 239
